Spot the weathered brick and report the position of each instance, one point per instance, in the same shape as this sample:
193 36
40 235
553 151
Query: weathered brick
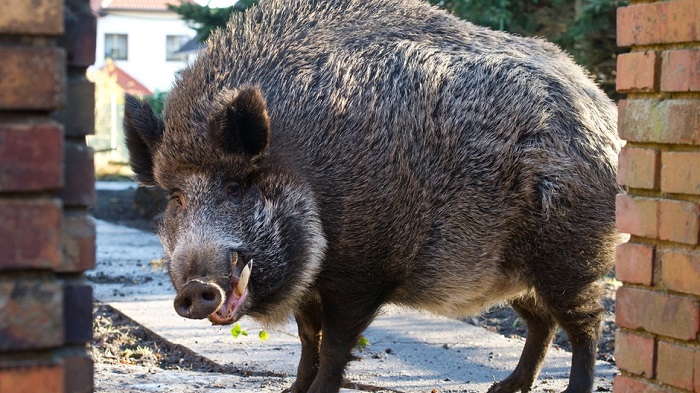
31 156
79 189
638 167
636 215
624 384
31 17
657 312
680 70
680 271
30 233
679 221
31 78
78 373
32 313
637 72
680 172
658 23
78 243
674 365
634 263
696 373
662 121
635 353
47 378
75 119
77 312
80 35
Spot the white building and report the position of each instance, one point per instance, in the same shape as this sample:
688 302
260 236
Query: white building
141 37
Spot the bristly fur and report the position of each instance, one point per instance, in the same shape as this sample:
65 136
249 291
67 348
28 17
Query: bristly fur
365 152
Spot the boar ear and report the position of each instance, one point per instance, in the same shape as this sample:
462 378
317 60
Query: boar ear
242 122
143 131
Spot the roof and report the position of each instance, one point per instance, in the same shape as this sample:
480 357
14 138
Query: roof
124 80
137 5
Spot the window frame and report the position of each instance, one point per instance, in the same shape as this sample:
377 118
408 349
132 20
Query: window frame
171 55
115 38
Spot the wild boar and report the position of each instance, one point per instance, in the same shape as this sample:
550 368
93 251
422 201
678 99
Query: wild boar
324 158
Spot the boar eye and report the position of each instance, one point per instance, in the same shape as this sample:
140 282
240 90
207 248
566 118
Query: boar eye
233 189
176 196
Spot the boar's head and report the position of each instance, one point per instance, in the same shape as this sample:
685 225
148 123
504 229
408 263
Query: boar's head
241 232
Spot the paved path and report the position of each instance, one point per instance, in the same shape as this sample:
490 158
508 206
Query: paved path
408 351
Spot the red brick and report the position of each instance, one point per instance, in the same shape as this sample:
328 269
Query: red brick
634 353
75 119
637 215
78 243
80 36
78 373
32 78
637 72
657 312
696 373
634 263
79 189
680 70
31 157
31 17
662 121
624 384
32 313
658 23
674 365
30 233
638 167
680 172
77 312
679 221
680 271
32 379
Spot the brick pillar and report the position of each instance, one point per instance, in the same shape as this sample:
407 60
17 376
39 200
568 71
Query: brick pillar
46 185
658 306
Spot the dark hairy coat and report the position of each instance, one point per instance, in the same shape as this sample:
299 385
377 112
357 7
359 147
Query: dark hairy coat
386 152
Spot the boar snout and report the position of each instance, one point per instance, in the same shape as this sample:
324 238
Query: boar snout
198 299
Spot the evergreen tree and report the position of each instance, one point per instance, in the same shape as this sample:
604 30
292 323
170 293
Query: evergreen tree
204 19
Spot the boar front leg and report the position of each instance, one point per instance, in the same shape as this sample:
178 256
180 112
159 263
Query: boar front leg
308 319
343 323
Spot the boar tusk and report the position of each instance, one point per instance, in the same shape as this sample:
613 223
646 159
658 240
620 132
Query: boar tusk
242 284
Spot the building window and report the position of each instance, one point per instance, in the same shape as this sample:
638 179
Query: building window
116 46
173 43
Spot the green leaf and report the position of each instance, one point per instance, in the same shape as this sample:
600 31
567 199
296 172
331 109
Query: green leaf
362 343
263 335
236 331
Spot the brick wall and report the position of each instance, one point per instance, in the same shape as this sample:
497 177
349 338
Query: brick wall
658 306
46 185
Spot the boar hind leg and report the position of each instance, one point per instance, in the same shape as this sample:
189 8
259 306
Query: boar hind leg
579 313
540 332
309 323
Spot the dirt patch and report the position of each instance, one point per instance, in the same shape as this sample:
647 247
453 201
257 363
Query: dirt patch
136 207
119 340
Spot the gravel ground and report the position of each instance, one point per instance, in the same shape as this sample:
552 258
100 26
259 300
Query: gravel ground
124 350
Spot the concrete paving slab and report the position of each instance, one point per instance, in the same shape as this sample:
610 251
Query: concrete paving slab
408 351
115 185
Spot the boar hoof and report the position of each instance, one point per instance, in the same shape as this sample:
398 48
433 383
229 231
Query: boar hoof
198 299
